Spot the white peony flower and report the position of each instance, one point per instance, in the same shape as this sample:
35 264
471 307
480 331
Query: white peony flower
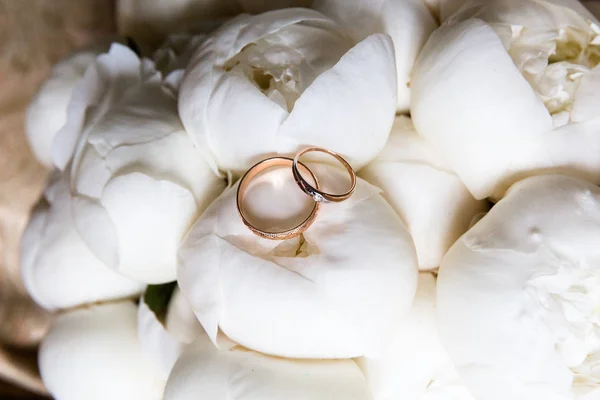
273 82
137 180
235 372
408 22
93 353
166 324
507 88
519 294
416 365
433 203
330 293
58 269
47 112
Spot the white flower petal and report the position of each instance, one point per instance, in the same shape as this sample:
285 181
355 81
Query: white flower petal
240 111
587 101
156 341
164 341
180 320
408 22
97 229
93 353
47 112
492 131
433 203
517 293
152 216
102 82
533 14
416 366
148 114
171 158
236 373
58 269
323 114
219 105
352 270
574 150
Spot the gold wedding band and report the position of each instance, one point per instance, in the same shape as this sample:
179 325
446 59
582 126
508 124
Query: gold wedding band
251 174
313 191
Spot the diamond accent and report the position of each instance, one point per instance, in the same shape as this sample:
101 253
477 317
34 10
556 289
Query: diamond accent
317 197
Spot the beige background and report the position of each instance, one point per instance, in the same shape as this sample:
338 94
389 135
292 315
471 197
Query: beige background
34 34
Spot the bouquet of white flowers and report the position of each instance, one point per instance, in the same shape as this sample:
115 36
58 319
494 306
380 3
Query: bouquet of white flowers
176 238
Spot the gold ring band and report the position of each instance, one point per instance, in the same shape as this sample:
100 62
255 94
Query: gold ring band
250 175
314 191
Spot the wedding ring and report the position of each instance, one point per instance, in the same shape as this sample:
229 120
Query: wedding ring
250 175
313 191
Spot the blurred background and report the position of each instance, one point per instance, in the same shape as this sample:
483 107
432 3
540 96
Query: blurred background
35 34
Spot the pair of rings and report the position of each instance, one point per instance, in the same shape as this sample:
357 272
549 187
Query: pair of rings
312 190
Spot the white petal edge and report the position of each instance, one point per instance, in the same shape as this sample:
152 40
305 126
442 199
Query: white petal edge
93 353
472 103
342 110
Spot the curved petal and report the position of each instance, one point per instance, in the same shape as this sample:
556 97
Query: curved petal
145 114
587 101
342 110
409 23
472 103
347 275
533 14
97 229
164 339
180 320
47 112
236 373
433 203
30 247
58 269
93 353
103 81
173 158
153 215
194 94
231 118
574 149
155 340
416 366
516 293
